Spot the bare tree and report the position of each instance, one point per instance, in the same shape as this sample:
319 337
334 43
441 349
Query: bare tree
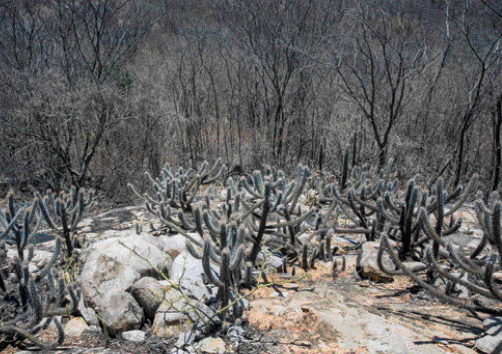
277 41
482 54
376 62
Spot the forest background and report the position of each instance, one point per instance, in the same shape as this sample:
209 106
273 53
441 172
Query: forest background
95 92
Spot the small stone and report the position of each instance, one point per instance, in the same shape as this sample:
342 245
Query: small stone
291 286
281 294
212 345
94 329
134 336
75 327
90 316
280 311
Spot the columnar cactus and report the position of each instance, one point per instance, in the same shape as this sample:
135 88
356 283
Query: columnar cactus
29 300
64 213
179 189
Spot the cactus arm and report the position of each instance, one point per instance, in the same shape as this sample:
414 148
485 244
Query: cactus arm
258 182
376 191
489 278
209 223
293 222
64 219
456 226
46 215
191 249
11 224
289 192
24 334
52 261
277 203
207 266
248 188
216 177
35 304
195 190
261 230
181 231
237 258
428 229
136 193
481 246
363 203
250 210
223 235
187 224
442 296
386 214
457 280
389 203
471 186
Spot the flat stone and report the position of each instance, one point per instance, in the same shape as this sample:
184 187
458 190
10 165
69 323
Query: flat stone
491 342
291 286
134 336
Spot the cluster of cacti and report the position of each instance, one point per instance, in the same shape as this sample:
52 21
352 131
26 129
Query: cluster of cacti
179 189
259 216
30 299
356 198
474 273
255 218
418 223
64 213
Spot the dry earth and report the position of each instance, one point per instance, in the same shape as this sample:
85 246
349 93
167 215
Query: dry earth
318 312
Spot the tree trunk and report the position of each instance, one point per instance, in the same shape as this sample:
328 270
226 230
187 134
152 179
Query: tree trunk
460 156
497 124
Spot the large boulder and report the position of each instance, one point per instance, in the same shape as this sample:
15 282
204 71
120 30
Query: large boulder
187 271
367 265
149 293
103 274
120 313
177 243
140 252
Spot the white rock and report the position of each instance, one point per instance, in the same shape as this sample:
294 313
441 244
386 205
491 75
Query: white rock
177 314
149 293
491 342
211 345
75 327
132 250
102 275
120 313
177 242
134 336
187 271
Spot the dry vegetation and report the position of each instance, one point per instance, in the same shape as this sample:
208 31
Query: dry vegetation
95 91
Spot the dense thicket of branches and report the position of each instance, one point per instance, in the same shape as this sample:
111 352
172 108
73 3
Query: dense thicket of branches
95 91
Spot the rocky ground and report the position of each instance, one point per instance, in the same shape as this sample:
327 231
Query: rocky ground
315 312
